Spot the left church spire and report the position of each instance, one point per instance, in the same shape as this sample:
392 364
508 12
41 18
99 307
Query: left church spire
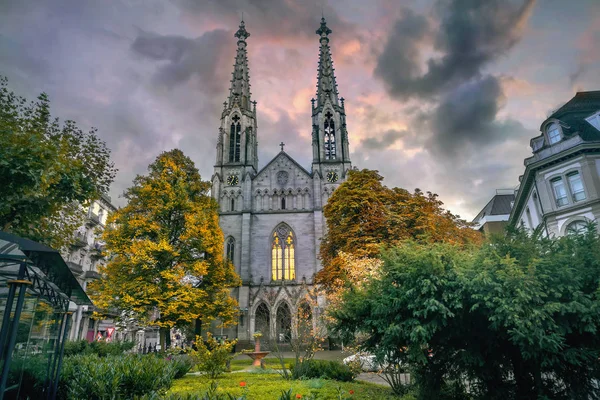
237 145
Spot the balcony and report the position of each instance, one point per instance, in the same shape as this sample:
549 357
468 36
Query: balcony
91 275
97 251
93 219
77 269
79 241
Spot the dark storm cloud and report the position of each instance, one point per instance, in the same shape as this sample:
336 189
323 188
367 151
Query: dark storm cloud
383 141
466 117
471 34
273 18
201 57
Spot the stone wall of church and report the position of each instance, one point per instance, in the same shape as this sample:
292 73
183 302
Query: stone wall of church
262 228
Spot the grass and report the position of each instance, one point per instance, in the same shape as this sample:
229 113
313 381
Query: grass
268 386
270 363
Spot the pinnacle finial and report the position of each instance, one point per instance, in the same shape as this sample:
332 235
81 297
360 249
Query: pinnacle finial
242 34
323 29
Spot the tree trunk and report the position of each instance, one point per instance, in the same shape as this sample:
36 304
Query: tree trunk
198 328
167 339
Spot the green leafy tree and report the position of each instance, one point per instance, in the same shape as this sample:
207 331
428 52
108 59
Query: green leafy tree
516 319
165 250
49 170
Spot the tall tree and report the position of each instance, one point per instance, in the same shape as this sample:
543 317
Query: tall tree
165 250
363 215
48 170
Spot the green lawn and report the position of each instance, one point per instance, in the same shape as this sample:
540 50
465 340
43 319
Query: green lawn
268 386
272 363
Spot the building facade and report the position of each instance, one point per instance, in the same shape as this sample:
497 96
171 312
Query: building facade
560 189
272 218
84 258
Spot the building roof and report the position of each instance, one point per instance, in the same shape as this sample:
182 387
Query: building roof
500 204
572 115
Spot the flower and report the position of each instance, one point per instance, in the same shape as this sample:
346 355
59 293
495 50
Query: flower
298 396
242 384
351 391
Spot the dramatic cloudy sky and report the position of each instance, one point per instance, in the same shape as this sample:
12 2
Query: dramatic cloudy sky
441 95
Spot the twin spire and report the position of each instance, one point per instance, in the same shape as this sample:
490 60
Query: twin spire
326 85
240 82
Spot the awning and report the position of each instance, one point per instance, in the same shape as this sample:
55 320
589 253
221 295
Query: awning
41 259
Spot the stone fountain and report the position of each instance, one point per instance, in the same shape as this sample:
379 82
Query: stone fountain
257 355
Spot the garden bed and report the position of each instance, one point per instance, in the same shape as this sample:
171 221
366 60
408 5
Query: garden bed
268 386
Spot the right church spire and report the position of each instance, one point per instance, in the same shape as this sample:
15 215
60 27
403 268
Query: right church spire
330 137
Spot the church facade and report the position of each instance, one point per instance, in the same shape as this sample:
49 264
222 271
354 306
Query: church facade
272 218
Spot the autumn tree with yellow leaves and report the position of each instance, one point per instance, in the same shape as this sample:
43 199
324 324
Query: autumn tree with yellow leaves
165 250
363 215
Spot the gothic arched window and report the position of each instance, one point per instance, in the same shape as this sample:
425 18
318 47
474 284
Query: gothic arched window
230 249
329 137
283 257
235 138
283 203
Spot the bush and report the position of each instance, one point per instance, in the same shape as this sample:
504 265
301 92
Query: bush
76 347
182 365
310 369
32 372
212 357
114 377
101 349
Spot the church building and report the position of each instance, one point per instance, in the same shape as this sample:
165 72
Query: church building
272 218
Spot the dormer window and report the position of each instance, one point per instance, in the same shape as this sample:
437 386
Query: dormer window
594 120
553 134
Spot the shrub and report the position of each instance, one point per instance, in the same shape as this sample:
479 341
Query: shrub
182 364
32 372
102 349
310 369
212 357
76 347
89 376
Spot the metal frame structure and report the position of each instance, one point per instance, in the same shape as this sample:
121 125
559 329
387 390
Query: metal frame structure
29 265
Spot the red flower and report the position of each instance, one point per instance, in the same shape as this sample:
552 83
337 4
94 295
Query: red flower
242 384
298 396
351 391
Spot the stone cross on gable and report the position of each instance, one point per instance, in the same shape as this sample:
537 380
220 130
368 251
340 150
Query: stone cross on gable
281 144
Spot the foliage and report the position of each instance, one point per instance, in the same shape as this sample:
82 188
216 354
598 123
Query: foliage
99 348
166 250
310 369
362 215
212 357
516 318
31 371
47 170
114 377
182 364
270 386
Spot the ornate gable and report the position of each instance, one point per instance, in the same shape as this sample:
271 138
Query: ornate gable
282 173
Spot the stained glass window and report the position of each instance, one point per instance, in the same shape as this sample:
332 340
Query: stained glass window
230 248
283 258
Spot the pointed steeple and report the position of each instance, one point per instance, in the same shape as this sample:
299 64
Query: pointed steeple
326 84
329 133
240 82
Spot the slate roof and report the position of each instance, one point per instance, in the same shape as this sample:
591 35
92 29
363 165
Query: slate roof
572 115
500 204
